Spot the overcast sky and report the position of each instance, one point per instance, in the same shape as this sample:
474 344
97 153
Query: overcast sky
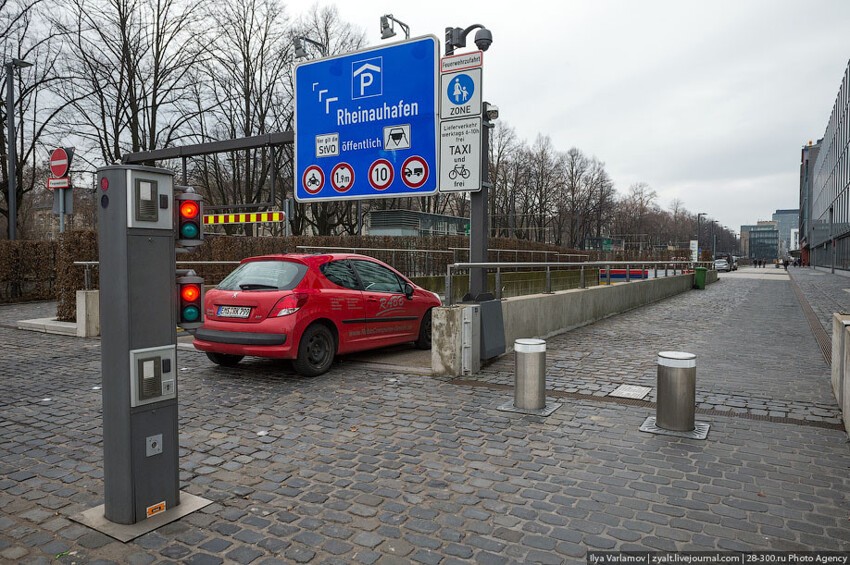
706 101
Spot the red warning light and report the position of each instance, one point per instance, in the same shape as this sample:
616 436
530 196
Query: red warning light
189 209
190 292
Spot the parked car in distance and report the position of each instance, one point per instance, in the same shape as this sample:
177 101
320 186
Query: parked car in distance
309 308
722 265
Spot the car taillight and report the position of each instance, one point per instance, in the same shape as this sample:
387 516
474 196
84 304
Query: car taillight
287 305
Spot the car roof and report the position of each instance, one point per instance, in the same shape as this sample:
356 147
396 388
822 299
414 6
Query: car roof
309 259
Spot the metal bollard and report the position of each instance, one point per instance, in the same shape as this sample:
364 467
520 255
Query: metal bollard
677 376
530 376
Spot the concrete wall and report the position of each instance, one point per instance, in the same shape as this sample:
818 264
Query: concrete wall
545 315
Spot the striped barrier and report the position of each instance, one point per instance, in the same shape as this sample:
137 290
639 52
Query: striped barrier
250 218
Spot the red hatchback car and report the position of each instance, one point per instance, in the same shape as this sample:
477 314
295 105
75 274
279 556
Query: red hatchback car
309 308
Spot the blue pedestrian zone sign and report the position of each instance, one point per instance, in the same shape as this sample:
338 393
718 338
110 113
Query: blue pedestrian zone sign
366 123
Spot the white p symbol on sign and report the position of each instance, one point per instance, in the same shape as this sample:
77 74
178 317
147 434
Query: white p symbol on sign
366 78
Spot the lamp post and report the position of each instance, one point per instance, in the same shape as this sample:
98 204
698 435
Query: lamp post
11 150
301 53
699 231
478 228
388 29
714 239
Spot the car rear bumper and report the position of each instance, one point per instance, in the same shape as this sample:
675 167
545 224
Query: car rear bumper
275 346
239 338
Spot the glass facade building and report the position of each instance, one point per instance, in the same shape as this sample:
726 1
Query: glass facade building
830 205
760 241
786 222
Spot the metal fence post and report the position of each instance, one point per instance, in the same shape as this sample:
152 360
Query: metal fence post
628 272
548 280
499 283
581 278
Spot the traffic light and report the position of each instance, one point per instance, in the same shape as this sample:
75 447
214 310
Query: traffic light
190 217
190 301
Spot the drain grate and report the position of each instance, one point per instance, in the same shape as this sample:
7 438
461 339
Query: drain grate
700 430
821 337
651 405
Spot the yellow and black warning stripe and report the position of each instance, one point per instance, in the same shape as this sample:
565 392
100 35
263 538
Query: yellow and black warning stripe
255 218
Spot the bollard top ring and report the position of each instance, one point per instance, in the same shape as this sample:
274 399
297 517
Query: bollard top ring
677 359
530 345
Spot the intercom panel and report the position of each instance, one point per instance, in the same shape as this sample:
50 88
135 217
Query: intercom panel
150 200
152 375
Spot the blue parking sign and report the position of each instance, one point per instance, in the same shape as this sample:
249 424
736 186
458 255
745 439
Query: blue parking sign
366 123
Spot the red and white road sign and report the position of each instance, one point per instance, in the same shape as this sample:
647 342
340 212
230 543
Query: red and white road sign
53 183
342 177
59 163
381 174
313 179
414 171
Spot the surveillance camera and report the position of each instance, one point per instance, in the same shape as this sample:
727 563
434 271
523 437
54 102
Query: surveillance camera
483 39
491 111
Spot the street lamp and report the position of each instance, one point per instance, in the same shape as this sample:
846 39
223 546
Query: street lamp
11 150
301 53
699 230
388 29
478 220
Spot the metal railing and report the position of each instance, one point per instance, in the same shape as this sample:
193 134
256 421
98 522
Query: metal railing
90 265
677 267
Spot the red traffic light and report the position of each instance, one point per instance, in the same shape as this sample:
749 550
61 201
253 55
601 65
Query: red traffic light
190 292
189 209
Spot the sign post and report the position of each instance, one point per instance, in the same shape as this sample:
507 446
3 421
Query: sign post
59 182
366 123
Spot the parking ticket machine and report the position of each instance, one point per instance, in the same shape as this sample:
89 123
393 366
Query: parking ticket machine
138 329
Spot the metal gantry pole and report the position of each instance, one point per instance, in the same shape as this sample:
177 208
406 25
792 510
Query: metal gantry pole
11 150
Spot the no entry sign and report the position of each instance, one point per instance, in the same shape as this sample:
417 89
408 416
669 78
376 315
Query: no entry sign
59 162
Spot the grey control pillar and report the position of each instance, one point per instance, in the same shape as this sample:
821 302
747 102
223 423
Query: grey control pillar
138 344
677 378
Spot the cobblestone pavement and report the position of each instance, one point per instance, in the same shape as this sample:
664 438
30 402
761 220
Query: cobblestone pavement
369 466
755 350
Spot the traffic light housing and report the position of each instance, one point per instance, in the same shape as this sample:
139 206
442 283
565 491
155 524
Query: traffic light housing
190 217
190 302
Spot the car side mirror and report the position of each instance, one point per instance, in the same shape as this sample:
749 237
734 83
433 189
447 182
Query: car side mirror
408 291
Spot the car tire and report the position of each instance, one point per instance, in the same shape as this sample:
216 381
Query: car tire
315 351
424 341
224 359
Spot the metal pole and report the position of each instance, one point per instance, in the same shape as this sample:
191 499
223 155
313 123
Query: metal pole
11 150
61 210
478 230
185 172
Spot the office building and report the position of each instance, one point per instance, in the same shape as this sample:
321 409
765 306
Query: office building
761 241
808 157
786 222
829 245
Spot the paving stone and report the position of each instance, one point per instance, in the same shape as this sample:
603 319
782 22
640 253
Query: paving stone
243 554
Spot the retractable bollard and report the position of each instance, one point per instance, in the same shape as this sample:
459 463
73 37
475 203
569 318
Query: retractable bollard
676 398
530 374
530 379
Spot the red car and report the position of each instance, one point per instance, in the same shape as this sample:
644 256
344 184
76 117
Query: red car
309 308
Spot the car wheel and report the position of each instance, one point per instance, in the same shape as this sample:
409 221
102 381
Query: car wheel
315 352
224 359
424 341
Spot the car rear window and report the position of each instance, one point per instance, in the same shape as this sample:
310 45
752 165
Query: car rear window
264 275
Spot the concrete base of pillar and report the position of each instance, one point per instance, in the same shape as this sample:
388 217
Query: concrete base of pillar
88 313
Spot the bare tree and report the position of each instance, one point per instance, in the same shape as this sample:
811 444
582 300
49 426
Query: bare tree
35 111
129 72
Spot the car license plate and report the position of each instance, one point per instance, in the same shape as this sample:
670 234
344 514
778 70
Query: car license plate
234 311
